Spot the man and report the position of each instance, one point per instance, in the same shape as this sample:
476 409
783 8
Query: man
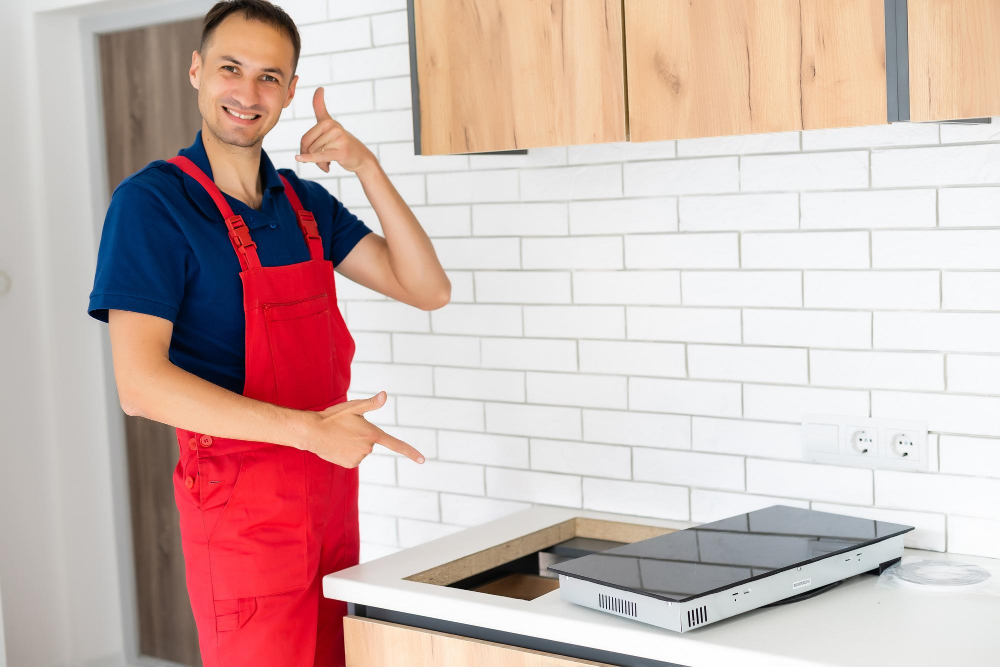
215 274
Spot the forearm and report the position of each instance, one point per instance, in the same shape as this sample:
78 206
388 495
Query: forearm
171 395
411 254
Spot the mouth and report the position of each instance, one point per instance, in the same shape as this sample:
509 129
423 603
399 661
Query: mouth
241 118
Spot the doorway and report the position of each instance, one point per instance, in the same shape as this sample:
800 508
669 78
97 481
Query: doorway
150 110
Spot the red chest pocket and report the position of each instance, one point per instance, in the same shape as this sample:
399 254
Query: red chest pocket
301 338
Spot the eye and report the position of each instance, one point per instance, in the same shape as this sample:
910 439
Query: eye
233 68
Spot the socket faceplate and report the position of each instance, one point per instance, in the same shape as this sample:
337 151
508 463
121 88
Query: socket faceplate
895 444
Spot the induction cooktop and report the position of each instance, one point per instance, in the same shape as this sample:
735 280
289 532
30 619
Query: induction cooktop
703 574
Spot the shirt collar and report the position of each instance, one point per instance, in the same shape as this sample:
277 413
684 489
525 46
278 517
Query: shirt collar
253 218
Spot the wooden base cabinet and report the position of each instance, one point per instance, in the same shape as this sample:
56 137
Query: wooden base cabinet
373 643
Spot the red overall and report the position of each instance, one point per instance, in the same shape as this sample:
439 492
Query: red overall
262 523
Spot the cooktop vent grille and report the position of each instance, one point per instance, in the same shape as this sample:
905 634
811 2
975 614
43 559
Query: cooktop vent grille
697 616
617 605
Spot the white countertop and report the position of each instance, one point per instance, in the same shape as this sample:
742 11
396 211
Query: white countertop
854 624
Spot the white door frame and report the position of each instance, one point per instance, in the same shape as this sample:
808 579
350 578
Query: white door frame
73 214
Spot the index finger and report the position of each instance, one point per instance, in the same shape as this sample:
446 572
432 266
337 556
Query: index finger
398 446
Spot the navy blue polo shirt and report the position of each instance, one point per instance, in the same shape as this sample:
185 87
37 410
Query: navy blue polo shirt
165 251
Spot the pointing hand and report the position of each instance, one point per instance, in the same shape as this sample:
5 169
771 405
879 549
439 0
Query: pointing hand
343 436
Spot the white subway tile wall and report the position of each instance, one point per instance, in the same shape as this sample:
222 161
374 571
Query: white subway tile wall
638 328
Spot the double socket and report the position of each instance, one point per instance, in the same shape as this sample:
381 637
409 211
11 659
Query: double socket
865 442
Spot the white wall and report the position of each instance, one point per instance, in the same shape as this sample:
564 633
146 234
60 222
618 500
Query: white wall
32 567
633 328
64 565
638 328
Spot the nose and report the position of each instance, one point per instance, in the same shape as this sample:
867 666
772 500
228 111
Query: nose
246 95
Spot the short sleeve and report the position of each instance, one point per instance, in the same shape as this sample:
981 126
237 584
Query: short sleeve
347 231
143 256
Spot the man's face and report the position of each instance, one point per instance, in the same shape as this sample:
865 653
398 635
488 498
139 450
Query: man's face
246 68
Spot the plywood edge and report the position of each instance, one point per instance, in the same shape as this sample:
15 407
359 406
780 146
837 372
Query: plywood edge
617 531
456 570
486 559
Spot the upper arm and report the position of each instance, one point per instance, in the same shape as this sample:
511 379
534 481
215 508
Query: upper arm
138 342
368 264
356 251
362 255
139 282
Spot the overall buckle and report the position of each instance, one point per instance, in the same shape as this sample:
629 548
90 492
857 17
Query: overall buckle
307 223
240 234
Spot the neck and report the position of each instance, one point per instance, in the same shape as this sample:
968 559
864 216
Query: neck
235 169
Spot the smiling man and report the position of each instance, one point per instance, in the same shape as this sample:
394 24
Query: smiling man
216 276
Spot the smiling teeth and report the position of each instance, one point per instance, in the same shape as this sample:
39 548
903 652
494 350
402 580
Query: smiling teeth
233 113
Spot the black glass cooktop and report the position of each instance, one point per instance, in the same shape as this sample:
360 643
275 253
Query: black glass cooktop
696 561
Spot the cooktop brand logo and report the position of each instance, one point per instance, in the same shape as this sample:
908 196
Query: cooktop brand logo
801 583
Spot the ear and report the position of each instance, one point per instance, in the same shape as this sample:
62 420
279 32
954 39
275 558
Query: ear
194 73
290 95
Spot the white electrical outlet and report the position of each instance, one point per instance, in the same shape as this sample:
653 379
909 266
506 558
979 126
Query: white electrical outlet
865 442
903 443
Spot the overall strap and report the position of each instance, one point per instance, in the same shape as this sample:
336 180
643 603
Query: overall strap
307 223
239 235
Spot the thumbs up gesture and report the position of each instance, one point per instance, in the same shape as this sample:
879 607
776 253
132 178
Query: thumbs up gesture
327 141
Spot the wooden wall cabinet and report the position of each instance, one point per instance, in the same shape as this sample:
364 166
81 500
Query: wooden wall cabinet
493 75
721 67
501 75
954 59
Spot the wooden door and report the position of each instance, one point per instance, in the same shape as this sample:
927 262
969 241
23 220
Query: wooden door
725 67
497 75
954 50
150 112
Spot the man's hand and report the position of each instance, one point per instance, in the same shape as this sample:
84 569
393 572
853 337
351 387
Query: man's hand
328 141
343 436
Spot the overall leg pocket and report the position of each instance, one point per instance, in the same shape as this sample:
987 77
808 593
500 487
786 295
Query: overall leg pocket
257 539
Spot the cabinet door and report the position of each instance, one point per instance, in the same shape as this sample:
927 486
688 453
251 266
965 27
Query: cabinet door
723 67
498 75
372 643
843 63
954 49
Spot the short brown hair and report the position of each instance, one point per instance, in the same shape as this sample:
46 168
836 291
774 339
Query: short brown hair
253 10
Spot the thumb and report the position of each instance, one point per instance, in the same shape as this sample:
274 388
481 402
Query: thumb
319 105
373 403
358 405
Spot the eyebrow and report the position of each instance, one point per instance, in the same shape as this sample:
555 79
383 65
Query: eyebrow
266 69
